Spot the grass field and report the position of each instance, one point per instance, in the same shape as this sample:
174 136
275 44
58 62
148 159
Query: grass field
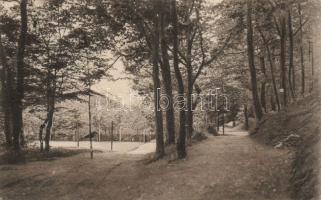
118 147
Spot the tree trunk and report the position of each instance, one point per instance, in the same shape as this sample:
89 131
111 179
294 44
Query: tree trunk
311 60
42 126
263 84
189 111
19 90
6 89
22 137
273 107
167 82
291 75
158 113
49 119
189 92
51 99
282 58
263 101
269 54
246 117
48 127
301 52
256 102
8 125
180 147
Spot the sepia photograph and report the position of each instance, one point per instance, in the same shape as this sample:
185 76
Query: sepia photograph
160 99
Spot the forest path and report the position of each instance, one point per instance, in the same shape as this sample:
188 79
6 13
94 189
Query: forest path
231 167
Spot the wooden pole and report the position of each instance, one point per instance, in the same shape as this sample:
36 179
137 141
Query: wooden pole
223 121
90 138
77 134
217 110
99 137
112 136
89 109
105 131
218 120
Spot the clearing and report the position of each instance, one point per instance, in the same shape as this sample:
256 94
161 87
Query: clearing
118 147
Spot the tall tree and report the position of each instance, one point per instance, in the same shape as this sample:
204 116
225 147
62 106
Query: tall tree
263 84
282 33
196 51
143 52
291 71
301 50
271 64
155 60
19 86
6 94
250 47
166 74
49 24
181 148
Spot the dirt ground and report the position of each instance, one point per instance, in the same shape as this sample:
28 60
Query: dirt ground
231 167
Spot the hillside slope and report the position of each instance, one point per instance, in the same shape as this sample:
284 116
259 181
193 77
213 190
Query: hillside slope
297 128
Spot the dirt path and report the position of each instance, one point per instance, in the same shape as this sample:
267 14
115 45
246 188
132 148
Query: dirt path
223 168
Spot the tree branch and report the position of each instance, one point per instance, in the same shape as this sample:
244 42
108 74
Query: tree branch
300 27
276 25
220 51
